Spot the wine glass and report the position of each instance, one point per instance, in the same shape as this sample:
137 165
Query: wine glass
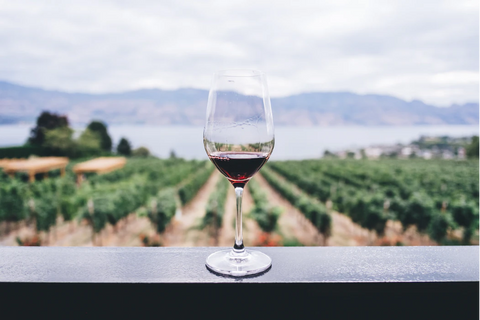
238 138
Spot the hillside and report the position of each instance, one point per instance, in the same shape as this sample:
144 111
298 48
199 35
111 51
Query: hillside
20 104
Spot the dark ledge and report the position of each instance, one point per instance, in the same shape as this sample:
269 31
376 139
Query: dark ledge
408 281
187 265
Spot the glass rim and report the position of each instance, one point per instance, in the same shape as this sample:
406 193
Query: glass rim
239 73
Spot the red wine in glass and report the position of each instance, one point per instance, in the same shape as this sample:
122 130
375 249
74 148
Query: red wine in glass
238 167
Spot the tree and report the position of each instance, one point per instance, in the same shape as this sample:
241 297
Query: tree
124 147
141 152
89 143
328 154
101 129
472 148
46 121
60 141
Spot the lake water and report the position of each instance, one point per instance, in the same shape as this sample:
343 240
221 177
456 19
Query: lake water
290 142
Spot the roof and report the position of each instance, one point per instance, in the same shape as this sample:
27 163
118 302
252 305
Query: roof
100 165
34 164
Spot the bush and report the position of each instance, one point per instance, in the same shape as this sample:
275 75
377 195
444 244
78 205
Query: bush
96 212
213 217
162 209
465 214
313 210
190 189
266 217
263 213
438 227
418 211
13 201
141 152
45 212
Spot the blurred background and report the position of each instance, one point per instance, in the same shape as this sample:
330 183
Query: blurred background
102 107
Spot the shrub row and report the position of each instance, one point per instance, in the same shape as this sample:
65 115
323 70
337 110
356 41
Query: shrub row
213 218
313 210
402 192
263 213
101 199
162 208
189 189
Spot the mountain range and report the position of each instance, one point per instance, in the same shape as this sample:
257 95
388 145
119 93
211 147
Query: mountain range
20 104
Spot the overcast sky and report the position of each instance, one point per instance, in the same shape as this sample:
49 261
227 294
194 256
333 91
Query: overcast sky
426 50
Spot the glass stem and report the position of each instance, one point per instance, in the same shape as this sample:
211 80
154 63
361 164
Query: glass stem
238 247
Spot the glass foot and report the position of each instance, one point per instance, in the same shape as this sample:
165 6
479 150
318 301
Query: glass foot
236 264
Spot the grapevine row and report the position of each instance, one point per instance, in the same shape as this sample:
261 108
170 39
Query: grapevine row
263 213
415 193
213 218
313 210
101 199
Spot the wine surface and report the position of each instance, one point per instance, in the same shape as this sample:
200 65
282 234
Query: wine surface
238 167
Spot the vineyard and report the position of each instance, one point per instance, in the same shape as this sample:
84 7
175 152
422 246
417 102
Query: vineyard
436 197
153 185
175 202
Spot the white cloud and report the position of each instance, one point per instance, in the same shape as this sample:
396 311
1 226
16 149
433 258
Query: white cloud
424 50
456 78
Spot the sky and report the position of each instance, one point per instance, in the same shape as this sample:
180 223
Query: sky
423 50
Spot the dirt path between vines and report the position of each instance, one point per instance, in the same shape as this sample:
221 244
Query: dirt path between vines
292 223
73 233
181 232
62 234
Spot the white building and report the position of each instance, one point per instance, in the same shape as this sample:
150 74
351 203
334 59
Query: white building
427 154
373 152
406 151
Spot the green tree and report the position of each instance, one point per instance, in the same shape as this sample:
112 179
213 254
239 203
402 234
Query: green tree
328 154
60 141
472 148
101 129
141 152
124 147
89 143
46 121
